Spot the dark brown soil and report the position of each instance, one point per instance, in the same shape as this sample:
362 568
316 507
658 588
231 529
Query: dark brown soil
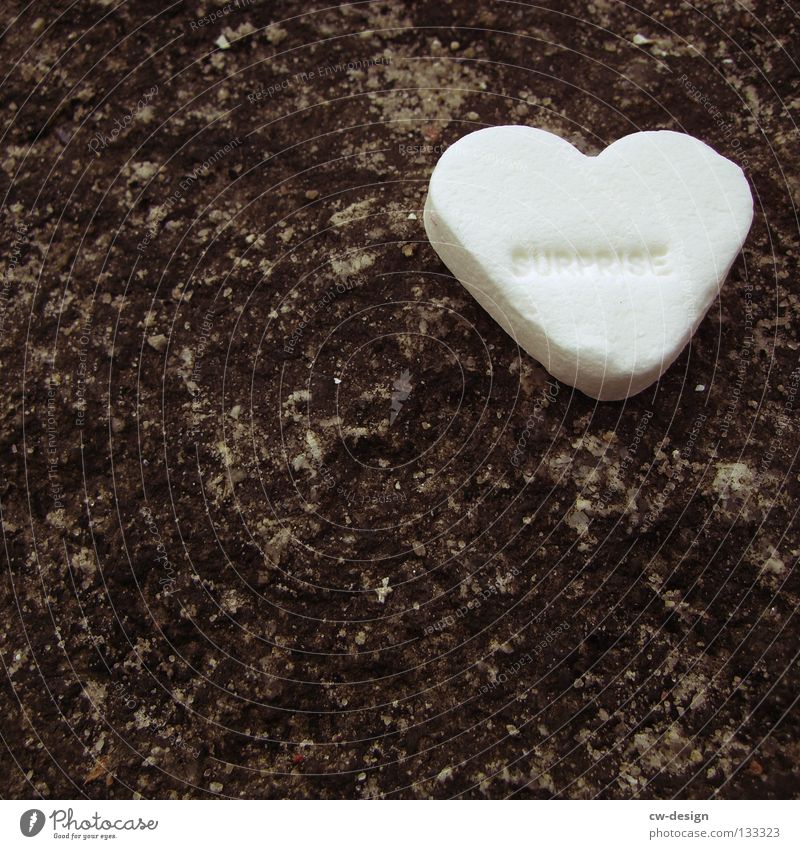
273 521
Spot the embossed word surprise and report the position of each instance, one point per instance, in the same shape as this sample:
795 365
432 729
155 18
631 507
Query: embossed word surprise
587 261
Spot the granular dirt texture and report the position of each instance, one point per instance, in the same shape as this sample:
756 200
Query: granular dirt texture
285 513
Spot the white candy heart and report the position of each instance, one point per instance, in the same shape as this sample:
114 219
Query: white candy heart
600 267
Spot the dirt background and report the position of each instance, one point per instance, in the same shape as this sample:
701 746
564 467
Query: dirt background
273 522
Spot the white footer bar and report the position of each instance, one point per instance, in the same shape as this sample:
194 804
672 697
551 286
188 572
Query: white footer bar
389 824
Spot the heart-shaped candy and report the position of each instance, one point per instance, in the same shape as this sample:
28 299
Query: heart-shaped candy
600 267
